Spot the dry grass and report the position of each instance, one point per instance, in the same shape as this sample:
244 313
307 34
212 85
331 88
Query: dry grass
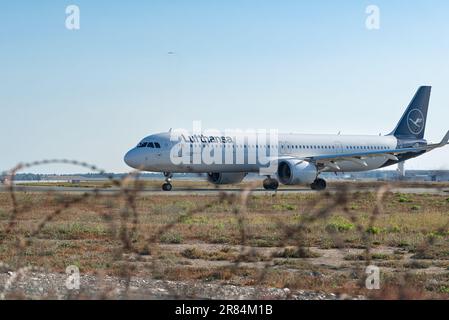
90 235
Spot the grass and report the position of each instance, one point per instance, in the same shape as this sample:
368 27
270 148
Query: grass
373 256
75 230
83 235
223 254
432 252
284 207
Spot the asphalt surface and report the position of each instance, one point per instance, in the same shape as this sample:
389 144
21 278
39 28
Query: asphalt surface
211 191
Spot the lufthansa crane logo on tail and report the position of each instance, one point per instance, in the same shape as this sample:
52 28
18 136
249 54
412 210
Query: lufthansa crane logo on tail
415 121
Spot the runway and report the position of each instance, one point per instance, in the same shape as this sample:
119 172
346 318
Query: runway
215 191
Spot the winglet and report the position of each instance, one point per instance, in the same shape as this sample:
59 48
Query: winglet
445 140
442 143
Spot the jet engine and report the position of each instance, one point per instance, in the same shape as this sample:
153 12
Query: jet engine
296 172
225 178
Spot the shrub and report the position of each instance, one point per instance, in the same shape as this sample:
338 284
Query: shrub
192 253
373 230
444 289
394 229
296 253
417 264
439 234
283 207
172 238
403 198
339 224
380 256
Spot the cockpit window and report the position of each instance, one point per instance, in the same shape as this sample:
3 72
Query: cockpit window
149 144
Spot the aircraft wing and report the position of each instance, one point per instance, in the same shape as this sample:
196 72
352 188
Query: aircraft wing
359 157
330 160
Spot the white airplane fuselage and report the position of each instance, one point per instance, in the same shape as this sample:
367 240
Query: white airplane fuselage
296 145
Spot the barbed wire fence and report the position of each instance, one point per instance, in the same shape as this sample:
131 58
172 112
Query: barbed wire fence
124 228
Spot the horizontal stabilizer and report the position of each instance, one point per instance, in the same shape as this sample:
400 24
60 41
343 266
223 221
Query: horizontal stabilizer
442 143
445 139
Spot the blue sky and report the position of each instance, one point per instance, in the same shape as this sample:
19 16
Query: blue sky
301 66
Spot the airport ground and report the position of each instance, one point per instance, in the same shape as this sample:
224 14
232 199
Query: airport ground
232 242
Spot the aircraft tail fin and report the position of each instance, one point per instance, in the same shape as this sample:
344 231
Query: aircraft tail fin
413 122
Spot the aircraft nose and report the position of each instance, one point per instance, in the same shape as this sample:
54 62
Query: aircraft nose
131 159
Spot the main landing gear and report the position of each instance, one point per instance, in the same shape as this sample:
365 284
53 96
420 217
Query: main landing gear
319 184
167 185
270 184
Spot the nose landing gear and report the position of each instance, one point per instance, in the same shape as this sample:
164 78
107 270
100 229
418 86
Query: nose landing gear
270 184
167 185
319 184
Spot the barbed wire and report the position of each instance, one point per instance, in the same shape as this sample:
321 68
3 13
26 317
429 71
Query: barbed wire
127 191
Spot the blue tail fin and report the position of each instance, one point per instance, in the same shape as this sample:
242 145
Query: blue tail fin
413 122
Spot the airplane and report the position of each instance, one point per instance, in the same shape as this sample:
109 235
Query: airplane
297 159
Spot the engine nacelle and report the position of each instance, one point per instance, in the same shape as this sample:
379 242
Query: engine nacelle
226 177
296 172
